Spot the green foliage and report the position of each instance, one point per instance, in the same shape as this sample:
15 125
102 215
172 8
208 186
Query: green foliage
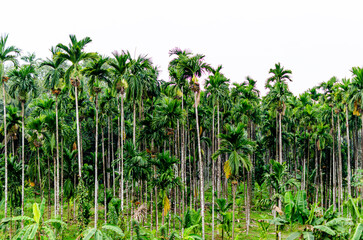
84 208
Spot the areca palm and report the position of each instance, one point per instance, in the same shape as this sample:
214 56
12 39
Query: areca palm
22 86
74 53
217 86
7 54
193 67
119 67
96 72
235 143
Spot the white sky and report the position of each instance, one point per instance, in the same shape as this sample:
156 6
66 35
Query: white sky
316 39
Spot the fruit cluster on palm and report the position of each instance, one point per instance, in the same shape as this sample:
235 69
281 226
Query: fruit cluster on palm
157 149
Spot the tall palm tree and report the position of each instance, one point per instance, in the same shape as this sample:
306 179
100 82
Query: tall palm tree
7 54
96 72
74 53
280 75
119 67
22 86
193 67
236 144
357 94
217 86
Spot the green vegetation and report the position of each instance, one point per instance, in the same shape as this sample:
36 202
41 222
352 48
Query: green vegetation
110 151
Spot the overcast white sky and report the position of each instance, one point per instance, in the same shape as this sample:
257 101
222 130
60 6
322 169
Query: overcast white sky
316 39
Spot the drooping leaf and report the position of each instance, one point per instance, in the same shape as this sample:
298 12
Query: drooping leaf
113 228
325 229
293 236
36 212
358 232
308 235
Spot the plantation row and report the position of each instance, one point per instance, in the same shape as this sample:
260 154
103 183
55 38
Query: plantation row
99 147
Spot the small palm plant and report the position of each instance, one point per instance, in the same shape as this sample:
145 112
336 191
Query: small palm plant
36 226
102 233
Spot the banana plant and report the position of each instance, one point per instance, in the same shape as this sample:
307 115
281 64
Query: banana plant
35 227
357 215
103 233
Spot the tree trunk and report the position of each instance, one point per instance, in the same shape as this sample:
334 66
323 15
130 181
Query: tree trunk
340 178
134 126
219 172
104 174
5 154
348 148
22 160
122 152
108 151
333 160
200 166
57 151
234 185
39 174
62 192
96 165
78 136
280 139
213 175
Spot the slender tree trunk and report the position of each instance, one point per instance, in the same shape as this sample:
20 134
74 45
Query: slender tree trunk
57 150
78 134
234 185
340 178
122 151
200 167
348 148
39 174
104 174
108 151
96 164
213 175
49 204
280 138
219 172
333 160
5 154
22 160
62 182
112 163
134 126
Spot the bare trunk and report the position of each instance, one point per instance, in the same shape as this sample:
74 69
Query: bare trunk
39 174
22 160
213 175
5 154
134 126
122 152
340 178
104 174
280 139
219 172
348 148
78 136
200 166
57 152
333 160
96 165
234 185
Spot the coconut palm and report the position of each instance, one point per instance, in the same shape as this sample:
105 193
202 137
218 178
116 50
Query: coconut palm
74 53
7 54
236 144
23 86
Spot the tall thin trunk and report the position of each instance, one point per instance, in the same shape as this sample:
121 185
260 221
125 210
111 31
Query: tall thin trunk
57 151
5 154
348 142
234 185
78 135
333 160
122 152
183 165
200 166
213 169
62 182
340 178
134 126
39 174
96 164
108 151
22 159
280 138
219 172
104 173
113 166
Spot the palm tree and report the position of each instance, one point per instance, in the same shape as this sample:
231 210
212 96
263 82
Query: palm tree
7 54
119 65
217 86
236 144
357 94
74 53
280 75
193 67
22 86
96 72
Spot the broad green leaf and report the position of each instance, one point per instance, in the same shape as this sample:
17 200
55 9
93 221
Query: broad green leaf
28 231
50 234
113 228
34 231
88 234
98 235
22 218
338 221
36 212
301 201
293 236
42 207
325 229
358 232
308 235
22 232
